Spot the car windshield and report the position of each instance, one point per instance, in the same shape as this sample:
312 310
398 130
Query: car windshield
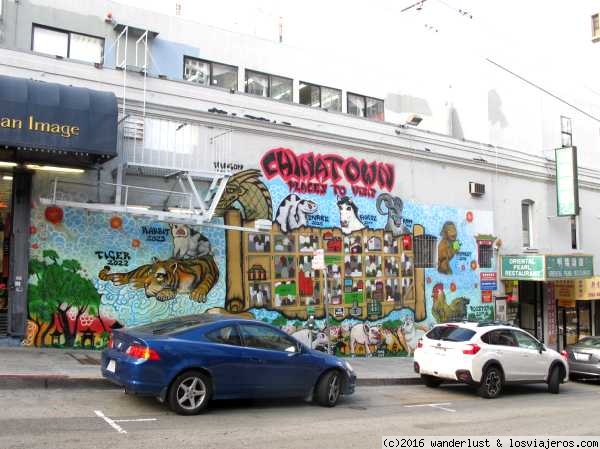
589 342
171 326
450 333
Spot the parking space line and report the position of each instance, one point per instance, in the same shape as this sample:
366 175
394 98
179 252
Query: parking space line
110 422
134 420
434 405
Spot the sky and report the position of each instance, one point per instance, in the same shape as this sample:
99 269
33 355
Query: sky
546 41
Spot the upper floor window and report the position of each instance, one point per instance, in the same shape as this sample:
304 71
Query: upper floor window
320 96
368 107
566 133
596 27
272 86
67 44
208 73
527 222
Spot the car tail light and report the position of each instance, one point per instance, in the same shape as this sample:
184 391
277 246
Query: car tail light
420 343
138 351
564 354
110 342
471 349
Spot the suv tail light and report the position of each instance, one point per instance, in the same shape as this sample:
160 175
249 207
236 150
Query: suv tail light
564 354
138 351
420 343
471 349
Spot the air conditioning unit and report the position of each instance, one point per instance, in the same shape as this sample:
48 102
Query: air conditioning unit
476 189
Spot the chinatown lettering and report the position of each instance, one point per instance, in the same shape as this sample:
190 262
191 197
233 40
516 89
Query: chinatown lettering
309 172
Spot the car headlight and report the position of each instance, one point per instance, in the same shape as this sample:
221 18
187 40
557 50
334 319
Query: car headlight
348 366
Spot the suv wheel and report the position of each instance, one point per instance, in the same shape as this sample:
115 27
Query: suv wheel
491 383
431 381
554 380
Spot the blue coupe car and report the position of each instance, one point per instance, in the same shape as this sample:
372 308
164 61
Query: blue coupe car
189 360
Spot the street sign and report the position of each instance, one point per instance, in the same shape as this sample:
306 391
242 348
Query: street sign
318 260
488 281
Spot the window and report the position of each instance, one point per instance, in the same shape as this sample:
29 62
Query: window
262 337
208 73
484 254
450 333
265 85
595 27
525 341
566 134
526 219
227 335
368 107
67 44
425 251
500 338
320 96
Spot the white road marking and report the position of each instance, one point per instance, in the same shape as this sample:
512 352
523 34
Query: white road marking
135 420
110 422
434 405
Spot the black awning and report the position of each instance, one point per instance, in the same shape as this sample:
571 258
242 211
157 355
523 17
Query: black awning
55 123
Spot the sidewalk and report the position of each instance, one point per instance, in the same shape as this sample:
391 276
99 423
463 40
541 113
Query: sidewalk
58 368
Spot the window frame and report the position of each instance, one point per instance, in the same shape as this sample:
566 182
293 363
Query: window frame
210 72
269 84
68 33
530 204
365 97
564 132
320 87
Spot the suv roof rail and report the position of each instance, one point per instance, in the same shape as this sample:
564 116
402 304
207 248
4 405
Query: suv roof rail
494 323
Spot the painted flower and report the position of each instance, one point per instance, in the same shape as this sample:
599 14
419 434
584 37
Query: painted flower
453 287
474 265
116 222
135 243
469 217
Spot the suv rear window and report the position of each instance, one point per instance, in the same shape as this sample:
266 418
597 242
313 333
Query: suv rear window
450 333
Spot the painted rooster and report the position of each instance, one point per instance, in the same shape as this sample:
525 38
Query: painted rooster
442 311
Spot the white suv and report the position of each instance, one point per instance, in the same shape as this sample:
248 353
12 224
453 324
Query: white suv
487 355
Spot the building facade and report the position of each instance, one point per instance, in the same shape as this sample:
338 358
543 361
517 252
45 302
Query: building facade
230 166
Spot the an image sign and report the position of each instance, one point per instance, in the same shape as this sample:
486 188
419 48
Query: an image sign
486 296
567 194
562 267
488 281
521 267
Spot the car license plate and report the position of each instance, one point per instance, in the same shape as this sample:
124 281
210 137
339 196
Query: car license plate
112 366
581 357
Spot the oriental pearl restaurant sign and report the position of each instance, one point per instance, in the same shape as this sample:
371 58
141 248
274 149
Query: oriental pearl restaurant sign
314 173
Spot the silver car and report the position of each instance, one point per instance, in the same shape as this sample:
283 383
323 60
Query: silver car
584 358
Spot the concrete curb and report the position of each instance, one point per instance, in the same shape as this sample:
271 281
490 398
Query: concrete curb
46 381
57 381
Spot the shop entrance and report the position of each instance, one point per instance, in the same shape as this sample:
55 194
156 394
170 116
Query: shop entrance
5 221
574 323
530 307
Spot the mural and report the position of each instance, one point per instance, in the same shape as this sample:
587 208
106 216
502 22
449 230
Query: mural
394 267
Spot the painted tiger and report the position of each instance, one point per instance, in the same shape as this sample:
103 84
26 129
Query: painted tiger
164 279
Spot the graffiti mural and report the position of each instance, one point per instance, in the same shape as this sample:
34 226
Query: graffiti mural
394 267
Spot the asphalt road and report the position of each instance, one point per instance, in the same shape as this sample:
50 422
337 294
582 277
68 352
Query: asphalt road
83 418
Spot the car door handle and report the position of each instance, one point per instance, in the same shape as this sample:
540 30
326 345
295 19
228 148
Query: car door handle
256 360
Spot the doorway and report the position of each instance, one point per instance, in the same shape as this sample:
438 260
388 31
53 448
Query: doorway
5 225
574 323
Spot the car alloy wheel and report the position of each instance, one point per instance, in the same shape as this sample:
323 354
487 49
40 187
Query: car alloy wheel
492 384
191 393
334 389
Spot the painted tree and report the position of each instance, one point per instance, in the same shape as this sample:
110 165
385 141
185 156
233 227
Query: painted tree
59 290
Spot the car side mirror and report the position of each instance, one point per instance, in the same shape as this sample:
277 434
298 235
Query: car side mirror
541 348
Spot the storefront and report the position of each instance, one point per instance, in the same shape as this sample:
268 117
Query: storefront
43 127
579 308
540 295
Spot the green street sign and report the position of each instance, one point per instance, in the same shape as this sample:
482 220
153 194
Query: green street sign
522 267
569 267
